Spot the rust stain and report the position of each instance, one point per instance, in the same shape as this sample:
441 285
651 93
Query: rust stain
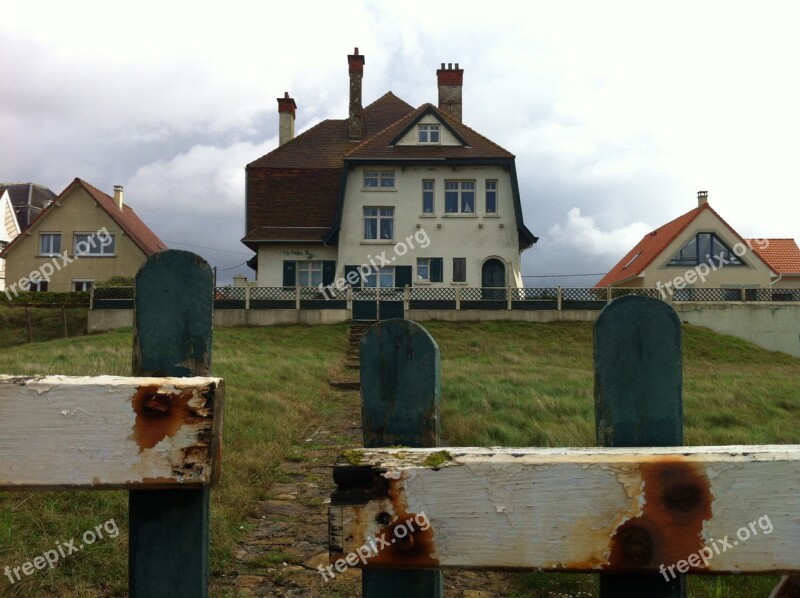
416 547
677 501
160 413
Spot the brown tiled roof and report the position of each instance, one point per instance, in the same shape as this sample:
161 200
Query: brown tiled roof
144 238
324 144
379 146
782 255
293 191
291 198
126 218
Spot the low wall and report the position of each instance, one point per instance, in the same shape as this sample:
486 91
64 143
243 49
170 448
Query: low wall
101 320
272 317
772 325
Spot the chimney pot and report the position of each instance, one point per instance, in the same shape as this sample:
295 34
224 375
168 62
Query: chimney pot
118 196
702 198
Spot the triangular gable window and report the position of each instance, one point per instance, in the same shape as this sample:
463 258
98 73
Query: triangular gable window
706 248
424 130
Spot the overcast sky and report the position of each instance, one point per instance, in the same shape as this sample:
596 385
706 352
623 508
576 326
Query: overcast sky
618 112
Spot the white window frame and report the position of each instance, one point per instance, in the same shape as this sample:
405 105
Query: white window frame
96 246
423 262
460 187
310 268
379 180
49 250
83 282
491 189
429 134
429 187
381 214
374 279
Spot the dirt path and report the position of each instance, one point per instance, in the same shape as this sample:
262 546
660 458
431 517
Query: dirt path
289 541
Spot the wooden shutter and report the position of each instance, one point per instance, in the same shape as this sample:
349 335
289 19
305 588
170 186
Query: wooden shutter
328 272
289 273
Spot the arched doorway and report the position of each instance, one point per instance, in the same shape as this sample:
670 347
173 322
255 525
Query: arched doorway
493 274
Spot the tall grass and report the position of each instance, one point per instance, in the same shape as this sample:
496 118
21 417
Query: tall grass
503 383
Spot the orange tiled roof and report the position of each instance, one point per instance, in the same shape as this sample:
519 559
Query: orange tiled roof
649 248
782 255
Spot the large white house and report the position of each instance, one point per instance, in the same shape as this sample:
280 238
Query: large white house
391 196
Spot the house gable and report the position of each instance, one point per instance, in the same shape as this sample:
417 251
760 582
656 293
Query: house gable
437 131
81 213
652 258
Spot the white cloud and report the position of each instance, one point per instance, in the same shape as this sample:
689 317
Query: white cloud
581 233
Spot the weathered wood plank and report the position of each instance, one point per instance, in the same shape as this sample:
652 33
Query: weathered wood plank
638 402
70 432
567 509
401 396
173 306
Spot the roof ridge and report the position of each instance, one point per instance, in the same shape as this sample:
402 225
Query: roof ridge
291 141
410 115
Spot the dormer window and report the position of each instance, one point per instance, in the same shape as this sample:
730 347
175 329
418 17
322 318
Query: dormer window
429 134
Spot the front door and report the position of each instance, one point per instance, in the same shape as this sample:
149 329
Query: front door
493 275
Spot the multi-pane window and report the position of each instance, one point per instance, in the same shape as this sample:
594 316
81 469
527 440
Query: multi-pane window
459 269
49 243
424 269
381 278
427 197
429 133
378 224
459 197
38 287
95 244
379 180
705 248
309 274
82 285
491 197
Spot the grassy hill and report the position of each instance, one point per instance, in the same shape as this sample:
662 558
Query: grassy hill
503 383
46 323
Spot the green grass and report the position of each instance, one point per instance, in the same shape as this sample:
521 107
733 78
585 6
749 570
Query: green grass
502 384
46 323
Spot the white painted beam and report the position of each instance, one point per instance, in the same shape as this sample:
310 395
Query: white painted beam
59 432
698 509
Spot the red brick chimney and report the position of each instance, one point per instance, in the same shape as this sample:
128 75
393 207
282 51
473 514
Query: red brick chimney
355 122
450 81
286 115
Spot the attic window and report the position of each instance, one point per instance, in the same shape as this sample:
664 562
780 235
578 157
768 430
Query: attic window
706 248
429 134
633 259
